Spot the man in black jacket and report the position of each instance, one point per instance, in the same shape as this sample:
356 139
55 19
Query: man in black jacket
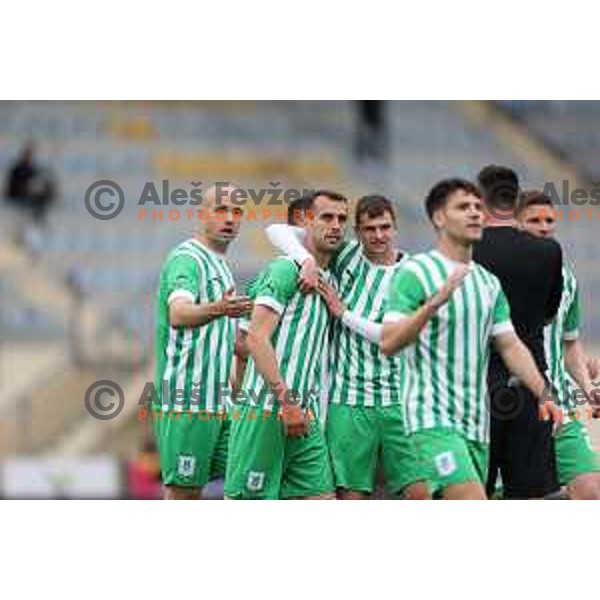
530 270
29 186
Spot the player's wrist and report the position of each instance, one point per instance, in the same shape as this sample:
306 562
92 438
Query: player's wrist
432 305
279 389
218 309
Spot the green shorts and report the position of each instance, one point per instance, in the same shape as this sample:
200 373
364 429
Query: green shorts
265 464
192 451
448 457
357 436
575 454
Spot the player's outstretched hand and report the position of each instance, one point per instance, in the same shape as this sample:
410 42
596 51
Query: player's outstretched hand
294 420
236 306
334 304
454 281
309 276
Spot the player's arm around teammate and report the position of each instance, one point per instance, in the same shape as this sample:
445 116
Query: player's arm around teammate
289 239
370 330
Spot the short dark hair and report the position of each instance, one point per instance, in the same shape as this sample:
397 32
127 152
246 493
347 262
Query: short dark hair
442 190
296 208
533 198
500 187
310 199
374 206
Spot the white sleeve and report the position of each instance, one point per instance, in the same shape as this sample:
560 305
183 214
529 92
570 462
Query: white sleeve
363 327
289 239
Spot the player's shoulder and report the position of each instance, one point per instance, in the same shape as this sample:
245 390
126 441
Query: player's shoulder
416 257
279 278
545 246
187 248
568 267
283 267
352 245
347 250
417 262
486 276
568 273
252 285
413 266
182 253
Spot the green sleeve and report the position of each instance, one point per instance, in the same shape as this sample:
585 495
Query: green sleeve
501 322
573 318
250 291
278 285
501 308
182 278
405 295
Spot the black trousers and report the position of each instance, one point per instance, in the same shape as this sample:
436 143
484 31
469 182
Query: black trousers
522 446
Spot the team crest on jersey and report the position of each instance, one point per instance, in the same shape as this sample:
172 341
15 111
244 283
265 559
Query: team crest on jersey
255 481
186 465
445 463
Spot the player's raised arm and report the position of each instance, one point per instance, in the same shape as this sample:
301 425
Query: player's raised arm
409 310
290 240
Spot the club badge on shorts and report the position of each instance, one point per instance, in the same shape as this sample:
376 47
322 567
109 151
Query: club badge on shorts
445 463
186 465
255 481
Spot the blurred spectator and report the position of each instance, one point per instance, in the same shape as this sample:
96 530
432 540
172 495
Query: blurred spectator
371 131
30 187
143 477
143 474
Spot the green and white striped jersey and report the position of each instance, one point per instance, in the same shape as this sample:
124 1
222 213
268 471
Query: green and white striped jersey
564 327
250 291
193 364
299 340
360 374
447 365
